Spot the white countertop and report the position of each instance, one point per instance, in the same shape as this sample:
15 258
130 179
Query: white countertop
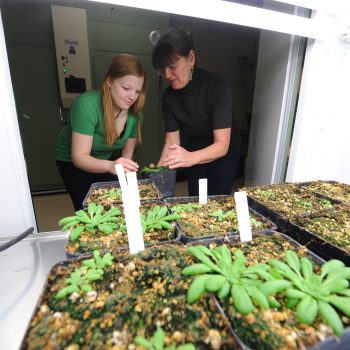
23 271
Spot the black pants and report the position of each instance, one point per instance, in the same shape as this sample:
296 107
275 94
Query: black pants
220 174
78 182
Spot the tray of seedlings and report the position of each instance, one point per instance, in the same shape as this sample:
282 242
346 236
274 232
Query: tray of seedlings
98 228
275 293
110 193
337 191
125 302
282 203
326 232
216 218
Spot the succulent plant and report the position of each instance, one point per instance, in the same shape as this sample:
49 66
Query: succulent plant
221 216
158 219
185 207
80 278
220 274
157 342
95 218
113 193
314 294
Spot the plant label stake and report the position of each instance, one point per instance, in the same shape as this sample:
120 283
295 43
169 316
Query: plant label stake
245 230
203 191
132 184
131 212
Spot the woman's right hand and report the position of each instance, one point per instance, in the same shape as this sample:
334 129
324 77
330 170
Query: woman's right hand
127 164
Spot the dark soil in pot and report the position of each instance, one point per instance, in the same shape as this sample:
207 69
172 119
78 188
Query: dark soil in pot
117 240
137 294
109 193
336 190
217 217
288 200
277 327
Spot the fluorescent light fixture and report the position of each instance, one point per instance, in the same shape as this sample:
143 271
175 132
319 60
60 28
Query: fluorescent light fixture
228 12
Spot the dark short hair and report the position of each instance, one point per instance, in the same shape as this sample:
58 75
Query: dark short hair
174 43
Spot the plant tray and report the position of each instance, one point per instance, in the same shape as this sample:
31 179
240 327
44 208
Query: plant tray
137 293
196 224
289 200
337 191
117 241
98 193
326 233
274 329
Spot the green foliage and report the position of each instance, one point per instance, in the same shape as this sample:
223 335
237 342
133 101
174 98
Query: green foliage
221 216
157 342
158 219
153 169
179 208
95 218
218 273
314 294
113 193
80 279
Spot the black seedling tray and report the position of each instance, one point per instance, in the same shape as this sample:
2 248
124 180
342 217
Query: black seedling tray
307 184
176 239
185 238
116 184
315 243
330 343
320 246
47 281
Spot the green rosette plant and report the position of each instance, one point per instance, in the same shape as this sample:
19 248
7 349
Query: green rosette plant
95 218
91 270
157 342
153 168
221 216
158 219
179 208
219 273
316 294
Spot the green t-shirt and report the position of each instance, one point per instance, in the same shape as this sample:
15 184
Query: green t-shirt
86 117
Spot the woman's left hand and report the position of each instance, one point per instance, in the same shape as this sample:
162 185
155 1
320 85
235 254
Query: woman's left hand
178 157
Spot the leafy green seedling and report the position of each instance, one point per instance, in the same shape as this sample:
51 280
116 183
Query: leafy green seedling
221 216
158 219
180 208
153 169
314 294
220 274
157 342
95 218
80 279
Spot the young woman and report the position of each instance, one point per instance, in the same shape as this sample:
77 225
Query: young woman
102 123
197 107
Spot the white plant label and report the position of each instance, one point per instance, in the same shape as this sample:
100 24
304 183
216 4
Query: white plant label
203 191
245 230
131 210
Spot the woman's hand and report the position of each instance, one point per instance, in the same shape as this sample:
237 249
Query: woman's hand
127 164
178 157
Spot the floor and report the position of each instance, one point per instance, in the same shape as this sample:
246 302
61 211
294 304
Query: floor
50 208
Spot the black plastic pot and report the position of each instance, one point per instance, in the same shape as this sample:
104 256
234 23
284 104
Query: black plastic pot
165 180
329 196
330 343
321 247
176 237
186 238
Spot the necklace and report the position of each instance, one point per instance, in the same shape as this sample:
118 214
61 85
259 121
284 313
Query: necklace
118 114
